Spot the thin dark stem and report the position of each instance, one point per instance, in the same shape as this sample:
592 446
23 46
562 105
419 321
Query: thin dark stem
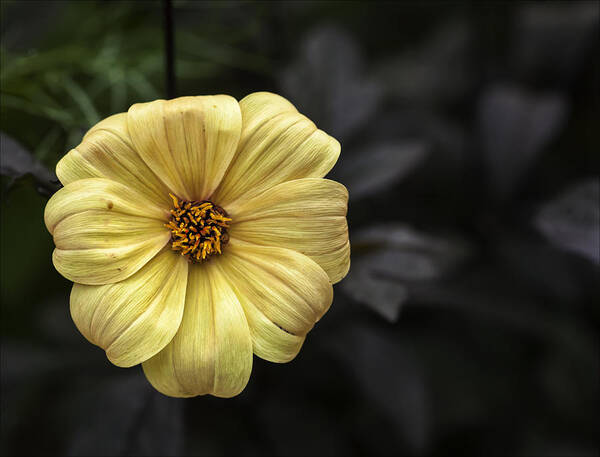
169 30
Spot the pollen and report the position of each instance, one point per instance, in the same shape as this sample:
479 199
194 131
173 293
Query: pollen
198 229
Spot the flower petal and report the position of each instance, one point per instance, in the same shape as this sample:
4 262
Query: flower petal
283 294
100 236
100 229
134 319
212 351
188 142
277 144
306 215
107 152
99 194
113 263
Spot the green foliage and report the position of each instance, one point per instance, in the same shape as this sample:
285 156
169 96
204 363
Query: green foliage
97 59
91 64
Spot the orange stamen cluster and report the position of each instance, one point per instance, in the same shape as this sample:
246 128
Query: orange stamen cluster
198 229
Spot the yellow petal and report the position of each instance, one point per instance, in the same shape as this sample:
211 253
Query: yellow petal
99 194
134 319
116 123
103 231
283 294
107 152
277 144
110 264
212 351
306 215
188 142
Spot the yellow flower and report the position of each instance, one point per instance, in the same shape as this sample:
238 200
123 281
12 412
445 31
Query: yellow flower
199 231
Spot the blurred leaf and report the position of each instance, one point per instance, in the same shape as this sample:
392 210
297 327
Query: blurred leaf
39 109
142 85
82 99
552 39
515 128
445 139
433 72
378 166
215 52
572 220
41 63
387 259
383 296
327 82
48 143
17 162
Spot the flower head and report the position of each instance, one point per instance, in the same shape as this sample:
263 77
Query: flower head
198 231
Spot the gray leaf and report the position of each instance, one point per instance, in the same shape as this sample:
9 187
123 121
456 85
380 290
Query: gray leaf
572 221
16 162
552 39
389 258
376 167
433 72
327 82
381 295
515 127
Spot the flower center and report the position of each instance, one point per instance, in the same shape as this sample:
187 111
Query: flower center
198 229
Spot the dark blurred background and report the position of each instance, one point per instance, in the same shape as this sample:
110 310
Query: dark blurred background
469 323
